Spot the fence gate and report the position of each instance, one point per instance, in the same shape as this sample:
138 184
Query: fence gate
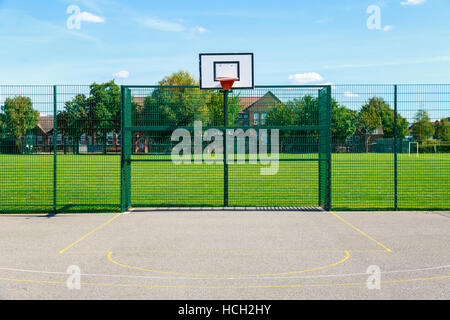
278 142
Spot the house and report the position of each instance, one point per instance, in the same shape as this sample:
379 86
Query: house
41 136
41 139
359 142
255 109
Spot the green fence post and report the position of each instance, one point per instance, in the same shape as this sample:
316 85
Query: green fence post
125 163
225 153
324 147
395 151
55 146
329 143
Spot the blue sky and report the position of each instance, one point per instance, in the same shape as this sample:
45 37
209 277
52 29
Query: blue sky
139 42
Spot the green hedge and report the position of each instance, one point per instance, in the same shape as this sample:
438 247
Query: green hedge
434 148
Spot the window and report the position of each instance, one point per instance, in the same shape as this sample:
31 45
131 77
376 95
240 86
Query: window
245 116
90 141
59 139
110 139
83 139
30 139
350 141
357 139
256 119
263 118
39 140
50 140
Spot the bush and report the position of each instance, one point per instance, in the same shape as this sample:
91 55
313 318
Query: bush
9 146
434 148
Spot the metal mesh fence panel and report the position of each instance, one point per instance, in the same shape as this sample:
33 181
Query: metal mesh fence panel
156 180
424 155
396 154
363 159
88 148
295 113
26 152
266 128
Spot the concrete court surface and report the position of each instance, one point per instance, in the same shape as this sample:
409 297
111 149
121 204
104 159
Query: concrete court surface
217 254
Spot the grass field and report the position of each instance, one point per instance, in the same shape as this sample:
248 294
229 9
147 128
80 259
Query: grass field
91 183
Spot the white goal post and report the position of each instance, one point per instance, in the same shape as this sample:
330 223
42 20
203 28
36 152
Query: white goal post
410 149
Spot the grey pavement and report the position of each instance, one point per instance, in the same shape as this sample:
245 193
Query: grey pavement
233 254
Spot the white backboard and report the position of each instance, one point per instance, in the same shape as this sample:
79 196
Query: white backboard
228 65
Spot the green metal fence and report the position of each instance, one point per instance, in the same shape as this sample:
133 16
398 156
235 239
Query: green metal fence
62 149
376 166
298 116
55 152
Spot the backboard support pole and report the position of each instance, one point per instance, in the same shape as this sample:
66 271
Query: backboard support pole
225 150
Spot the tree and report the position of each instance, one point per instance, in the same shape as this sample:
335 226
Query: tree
422 129
342 123
169 106
97 114
387 117
281 115
367 121
442 131
73 121
180 78
216 110
103 109
304 111
19 117
2 124
177 102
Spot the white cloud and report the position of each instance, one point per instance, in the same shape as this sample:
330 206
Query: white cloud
90 17
388 28
349 94
305 78
162 25
412 2
198 29
121 74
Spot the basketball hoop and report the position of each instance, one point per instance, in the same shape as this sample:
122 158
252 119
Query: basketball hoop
227 82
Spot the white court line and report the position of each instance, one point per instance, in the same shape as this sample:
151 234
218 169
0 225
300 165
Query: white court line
196 278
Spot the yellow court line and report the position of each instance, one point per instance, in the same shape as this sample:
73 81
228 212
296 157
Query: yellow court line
110 259
89 233
75 252
225 287
361 232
